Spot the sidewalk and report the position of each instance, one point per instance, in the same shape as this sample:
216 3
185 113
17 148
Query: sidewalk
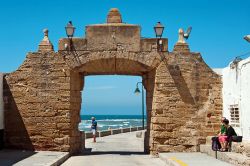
127 150
116 150
29 158
191 159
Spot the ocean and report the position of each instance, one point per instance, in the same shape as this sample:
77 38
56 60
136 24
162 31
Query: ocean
104 122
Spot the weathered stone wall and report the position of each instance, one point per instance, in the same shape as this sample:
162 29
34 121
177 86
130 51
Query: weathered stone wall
186 92
40 110
44 95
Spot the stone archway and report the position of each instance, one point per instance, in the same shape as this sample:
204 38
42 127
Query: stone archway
115 63
44 94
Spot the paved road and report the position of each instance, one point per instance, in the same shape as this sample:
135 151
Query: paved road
116 150
191 159
127 150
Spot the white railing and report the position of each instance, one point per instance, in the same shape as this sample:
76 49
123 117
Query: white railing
113 131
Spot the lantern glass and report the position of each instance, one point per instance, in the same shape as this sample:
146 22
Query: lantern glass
159 30
70 29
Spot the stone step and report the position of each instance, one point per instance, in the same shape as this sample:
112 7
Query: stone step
209 140
236 159
237 147
242 148
205 148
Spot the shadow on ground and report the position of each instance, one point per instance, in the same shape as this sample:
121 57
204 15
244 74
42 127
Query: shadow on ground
9 157
88 151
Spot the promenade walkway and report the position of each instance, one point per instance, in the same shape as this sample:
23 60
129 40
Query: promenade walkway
116 150
127 150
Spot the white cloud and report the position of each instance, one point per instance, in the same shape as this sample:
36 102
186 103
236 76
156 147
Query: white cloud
100 88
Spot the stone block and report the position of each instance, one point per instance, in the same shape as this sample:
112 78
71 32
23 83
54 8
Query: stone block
63 126
164 148
162 134
77 44
165 120
59 141
159 127
150 44
113 37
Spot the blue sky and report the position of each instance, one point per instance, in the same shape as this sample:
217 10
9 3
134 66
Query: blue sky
218 29
111 95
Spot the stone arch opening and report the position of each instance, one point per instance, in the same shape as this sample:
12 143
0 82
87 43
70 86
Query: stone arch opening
111 66
114 98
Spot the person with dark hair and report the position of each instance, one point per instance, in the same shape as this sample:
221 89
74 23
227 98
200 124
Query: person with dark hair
228 137
230 132
222 135
222 127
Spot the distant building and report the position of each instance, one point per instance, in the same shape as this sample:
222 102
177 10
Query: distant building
236 95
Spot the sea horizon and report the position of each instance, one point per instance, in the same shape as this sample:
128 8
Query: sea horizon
106 122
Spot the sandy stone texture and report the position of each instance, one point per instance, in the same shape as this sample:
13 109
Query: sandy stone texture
43 96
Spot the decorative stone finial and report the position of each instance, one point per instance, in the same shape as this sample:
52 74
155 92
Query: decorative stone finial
181 46
46 33
45 45
114 16
181 36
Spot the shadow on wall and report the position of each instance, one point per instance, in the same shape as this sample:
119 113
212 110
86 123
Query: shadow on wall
15 133
181 84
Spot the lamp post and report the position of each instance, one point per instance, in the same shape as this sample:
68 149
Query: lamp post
159 28
70 30
137 92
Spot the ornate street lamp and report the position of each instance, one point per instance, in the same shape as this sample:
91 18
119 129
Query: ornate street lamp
159 28
137 92
70 29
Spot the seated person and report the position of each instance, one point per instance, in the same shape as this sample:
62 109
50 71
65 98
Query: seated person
222 127
222 135
229 133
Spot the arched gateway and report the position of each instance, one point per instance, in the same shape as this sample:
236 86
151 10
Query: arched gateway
43 97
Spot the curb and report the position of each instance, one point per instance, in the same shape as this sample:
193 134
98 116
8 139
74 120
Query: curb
61 159
172 161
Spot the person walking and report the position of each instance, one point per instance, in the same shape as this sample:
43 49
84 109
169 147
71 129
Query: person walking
94 128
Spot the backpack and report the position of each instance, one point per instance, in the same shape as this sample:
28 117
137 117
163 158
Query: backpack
215 144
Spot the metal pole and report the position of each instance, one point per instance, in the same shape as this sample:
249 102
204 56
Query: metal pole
142 106
142 101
